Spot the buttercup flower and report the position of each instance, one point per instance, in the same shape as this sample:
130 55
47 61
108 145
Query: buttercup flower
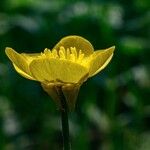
70 63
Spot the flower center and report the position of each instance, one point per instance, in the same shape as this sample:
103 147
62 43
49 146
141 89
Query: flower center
70 54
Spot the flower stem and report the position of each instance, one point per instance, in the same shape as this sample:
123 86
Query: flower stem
64 121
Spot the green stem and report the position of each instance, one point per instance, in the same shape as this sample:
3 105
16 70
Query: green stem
64 120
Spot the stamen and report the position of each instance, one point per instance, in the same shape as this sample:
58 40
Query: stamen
81 56
72 57
54 53
70 54
74 52
62 54
47 52
63 49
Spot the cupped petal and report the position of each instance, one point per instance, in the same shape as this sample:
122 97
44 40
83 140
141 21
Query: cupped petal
30 57
76 41
19 62
25 75
54 70
100 59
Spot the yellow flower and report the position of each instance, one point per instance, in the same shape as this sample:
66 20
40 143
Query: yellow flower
71 62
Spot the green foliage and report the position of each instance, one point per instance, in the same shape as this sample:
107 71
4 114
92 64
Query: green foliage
113 108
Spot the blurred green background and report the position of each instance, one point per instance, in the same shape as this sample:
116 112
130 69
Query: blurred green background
113 107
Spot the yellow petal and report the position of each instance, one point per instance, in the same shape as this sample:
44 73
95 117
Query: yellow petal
100 60
30 57
23 73
76 41
54 70
19 63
